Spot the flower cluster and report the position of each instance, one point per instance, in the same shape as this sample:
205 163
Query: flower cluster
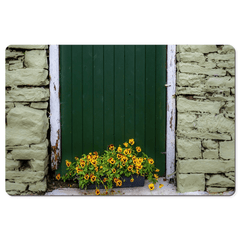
109 168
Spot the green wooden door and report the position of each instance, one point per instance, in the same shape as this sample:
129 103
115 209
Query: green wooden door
110 94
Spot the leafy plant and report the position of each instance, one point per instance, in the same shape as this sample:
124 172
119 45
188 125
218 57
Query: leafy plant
109 168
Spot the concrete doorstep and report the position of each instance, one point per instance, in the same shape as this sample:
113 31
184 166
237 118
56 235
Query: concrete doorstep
168 189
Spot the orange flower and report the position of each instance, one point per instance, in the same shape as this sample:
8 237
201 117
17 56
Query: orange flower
157 170
93 178
58 176
97 191
104 180
111 147
86 176
132 180
68 163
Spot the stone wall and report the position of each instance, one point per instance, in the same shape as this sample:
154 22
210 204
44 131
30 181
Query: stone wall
27 95
205 134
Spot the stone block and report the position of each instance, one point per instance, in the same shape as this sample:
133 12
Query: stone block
20 187
186 120
227 149
189 91
39 105
215 123
27 154
13 65
218 81
190 182
13 54
205 166
28 95
27 76
188 148
193 68
197 48
227 49
231 71
191 57
189 80
39 165
185 105
40 146
39 186
36 59
26 176
210 154
231 176
220 181
29 46
216 189
26 125
209 144
202 135
227 64
221 57
12 165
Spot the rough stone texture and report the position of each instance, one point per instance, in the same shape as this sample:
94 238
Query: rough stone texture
26 125
220 181
27 96
188 149
205 91
227 150
27 76
205 166
210 154
29 46
36 59
21 187
216 189
190 182
39 186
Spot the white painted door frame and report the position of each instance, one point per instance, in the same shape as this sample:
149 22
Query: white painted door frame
55 127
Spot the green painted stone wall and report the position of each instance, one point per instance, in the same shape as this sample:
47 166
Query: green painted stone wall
27 124
205 131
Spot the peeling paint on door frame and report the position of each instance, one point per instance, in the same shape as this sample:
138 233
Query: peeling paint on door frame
55 128
171 111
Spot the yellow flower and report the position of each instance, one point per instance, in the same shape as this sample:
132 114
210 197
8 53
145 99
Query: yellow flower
86 176
125 144
129 168
151 186
111 147
97 191
68 163
76 158
131 141
101 167
93 178
82 164
161 185
125 152
138 149
104 180
119 149
119 183
157 170
58 176
114 170
151 161
78 170
132 180
156 176
112 161
96 169
119 156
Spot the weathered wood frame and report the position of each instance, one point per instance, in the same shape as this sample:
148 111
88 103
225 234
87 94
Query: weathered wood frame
55 127
171 111
55 139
